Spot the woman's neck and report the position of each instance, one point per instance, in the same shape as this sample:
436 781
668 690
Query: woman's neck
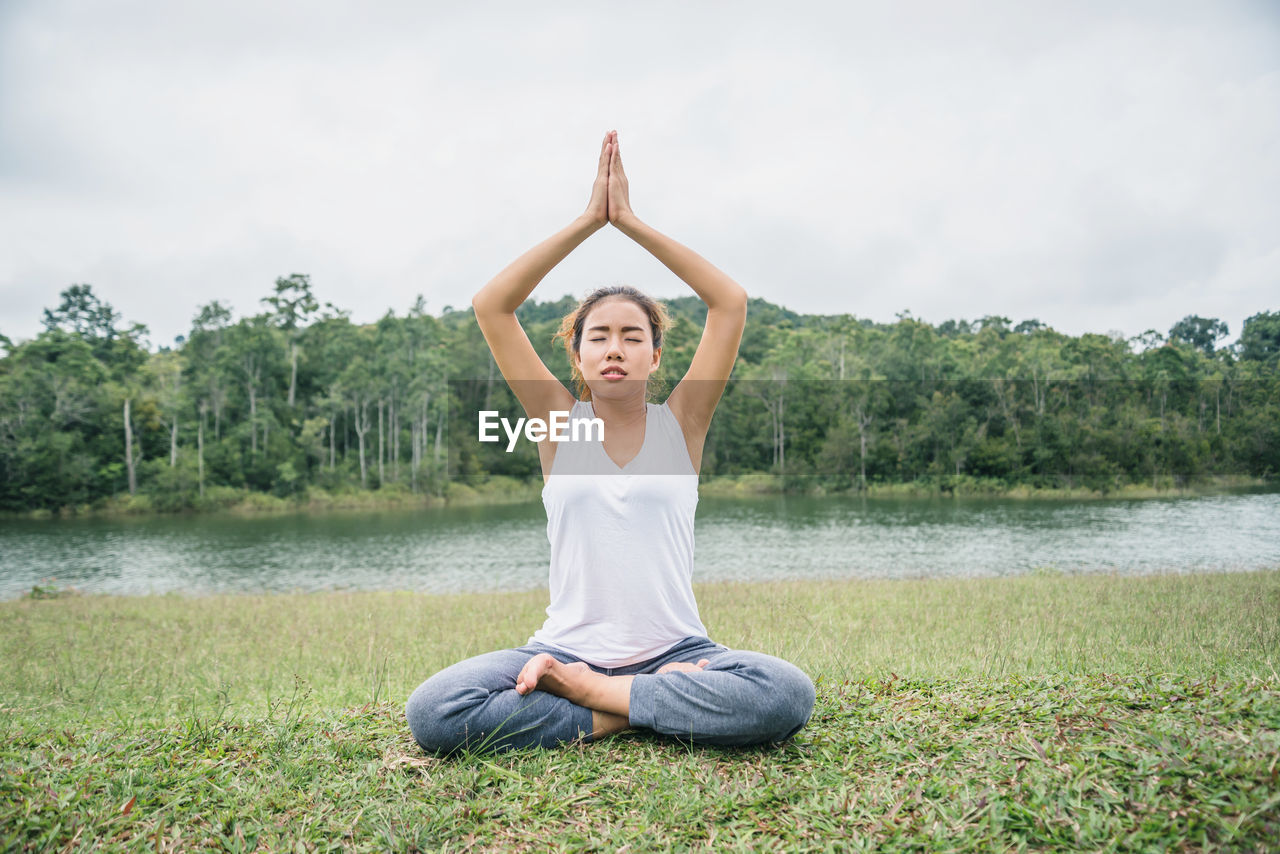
622 413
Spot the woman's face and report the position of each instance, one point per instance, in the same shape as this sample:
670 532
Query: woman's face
616 355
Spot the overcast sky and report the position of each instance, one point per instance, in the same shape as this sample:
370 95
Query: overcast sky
1099 166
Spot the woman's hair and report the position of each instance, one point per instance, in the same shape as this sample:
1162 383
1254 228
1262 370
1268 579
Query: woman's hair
571 329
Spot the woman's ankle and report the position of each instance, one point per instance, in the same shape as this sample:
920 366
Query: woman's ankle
610 695
604 724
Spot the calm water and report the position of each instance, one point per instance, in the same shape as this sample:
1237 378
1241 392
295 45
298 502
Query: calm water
505 548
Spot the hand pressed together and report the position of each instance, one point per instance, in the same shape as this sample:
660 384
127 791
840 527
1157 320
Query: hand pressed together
598 206
610 195
619 191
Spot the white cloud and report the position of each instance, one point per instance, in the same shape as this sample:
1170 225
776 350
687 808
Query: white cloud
1096 166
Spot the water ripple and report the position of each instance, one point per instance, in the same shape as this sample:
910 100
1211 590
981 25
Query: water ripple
505 548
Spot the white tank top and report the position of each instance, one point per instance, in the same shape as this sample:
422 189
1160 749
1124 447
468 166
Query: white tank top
621 546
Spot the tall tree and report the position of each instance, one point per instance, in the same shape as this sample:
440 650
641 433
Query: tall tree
293 306
82 313
252 353
204 359
1260 338
164 373
1203 333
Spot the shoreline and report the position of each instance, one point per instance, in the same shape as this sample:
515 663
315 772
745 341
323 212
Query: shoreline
966 488
500 490
715 588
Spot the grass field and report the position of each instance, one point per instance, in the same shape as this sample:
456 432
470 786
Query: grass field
1043 712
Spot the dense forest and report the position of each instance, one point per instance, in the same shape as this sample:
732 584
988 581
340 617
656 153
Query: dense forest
297 400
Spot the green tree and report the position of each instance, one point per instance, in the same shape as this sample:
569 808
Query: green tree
1202 333
293 306
83 314
1260 338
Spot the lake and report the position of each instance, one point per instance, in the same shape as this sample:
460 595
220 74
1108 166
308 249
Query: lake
738 539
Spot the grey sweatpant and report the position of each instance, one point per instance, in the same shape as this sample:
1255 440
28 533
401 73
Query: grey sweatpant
739 698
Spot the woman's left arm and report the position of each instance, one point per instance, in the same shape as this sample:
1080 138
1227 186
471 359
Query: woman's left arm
694 399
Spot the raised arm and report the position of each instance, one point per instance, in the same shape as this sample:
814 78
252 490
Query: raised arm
495 304
694 399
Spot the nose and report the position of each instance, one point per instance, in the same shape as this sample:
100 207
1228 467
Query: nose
615 348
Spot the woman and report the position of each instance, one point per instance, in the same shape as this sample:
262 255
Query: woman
623 645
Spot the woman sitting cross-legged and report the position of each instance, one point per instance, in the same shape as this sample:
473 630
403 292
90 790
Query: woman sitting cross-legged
623 645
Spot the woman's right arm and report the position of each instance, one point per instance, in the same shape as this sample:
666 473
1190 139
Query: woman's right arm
495 304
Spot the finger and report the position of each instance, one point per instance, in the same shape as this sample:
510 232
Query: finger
704 662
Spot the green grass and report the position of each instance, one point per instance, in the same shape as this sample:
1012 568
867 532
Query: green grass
1042 712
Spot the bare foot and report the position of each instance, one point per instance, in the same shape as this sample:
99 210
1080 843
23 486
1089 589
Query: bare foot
546 673
577 683
683 666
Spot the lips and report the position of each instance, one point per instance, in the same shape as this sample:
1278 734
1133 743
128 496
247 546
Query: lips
613 372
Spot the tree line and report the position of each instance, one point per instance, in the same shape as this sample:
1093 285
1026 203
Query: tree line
297 398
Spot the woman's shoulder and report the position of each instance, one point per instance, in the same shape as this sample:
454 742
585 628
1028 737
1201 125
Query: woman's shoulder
666 416
667 413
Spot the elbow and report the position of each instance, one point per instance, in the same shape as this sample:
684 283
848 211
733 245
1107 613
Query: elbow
735 302
488 301
736 298
481 305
